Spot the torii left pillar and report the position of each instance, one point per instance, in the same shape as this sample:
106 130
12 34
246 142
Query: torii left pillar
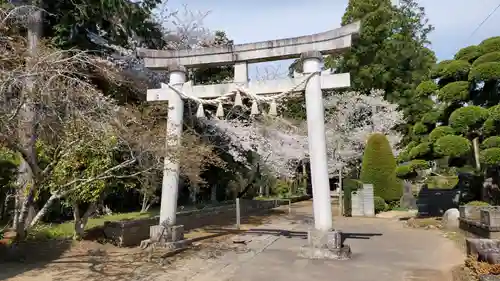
171 165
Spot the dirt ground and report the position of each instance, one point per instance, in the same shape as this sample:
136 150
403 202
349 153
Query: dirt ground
382 248
88 260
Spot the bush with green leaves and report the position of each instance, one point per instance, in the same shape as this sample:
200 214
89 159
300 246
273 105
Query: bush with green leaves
490 156
409 170
378 168
452 146
349 186
282 188
491 142
420 150
462 107
468 118
419 128
478 204
454 92
8 168
379 204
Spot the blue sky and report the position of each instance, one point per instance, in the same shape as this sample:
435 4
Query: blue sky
258 20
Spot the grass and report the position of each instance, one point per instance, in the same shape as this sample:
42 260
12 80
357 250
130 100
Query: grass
66 230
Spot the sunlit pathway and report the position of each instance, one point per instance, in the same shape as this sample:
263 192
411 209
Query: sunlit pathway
382 250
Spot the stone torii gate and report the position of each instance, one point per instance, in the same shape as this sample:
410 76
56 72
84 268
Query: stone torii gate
310 48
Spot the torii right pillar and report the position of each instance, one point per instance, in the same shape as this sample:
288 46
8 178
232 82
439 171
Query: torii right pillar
312 62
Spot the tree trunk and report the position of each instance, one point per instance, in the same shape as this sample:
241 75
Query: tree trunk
43 211
193 192
341 198
213 194
27 133
475 144
80 222
145 203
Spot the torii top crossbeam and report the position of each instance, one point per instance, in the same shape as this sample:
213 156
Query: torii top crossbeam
332 41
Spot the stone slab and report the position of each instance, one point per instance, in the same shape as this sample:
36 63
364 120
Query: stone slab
308 252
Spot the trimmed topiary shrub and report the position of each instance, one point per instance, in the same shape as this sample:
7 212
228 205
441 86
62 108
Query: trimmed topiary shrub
456 69
378 168
490 156
420 150
426 88
348 186
485 72
490 57
409 170
489 45
431 117
419 128
440 131
379 204
404 172
468 118
454 92
452 146
469 53
491 142
477 204
438 70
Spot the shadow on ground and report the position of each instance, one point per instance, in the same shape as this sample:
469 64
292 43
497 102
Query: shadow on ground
31 254
66 260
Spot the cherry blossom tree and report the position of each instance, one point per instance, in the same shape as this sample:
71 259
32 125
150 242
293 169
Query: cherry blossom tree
351 117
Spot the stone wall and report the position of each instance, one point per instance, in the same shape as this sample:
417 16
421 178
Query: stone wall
132 232
480 221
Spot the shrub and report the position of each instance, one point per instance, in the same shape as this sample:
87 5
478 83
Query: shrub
439 69
489 45
485 72
378 168
379 204
452 146
477 203
468 118
404 171
419 128
420 150
490 57
348 186
440 131
454 92
409 170
490 156
282 188
431 117
456 69
426 88
491 142
469 53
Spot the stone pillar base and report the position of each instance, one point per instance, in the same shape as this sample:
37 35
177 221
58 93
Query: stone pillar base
165 237
325 245
162 234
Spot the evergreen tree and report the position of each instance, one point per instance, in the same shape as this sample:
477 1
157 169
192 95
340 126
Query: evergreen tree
378 168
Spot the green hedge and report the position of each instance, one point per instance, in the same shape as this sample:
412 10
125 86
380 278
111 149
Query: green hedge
378 168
